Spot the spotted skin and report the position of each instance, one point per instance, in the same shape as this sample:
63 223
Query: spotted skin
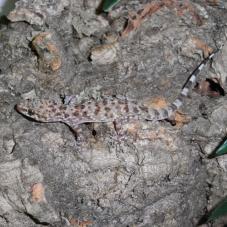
105 110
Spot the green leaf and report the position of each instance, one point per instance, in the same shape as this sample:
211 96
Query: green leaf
109 4
221 150
219 211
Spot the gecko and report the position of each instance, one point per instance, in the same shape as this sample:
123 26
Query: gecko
107 109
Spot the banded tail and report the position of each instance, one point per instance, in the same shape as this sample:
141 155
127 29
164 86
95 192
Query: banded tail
165 113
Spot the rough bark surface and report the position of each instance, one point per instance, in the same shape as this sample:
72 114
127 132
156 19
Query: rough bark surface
158 175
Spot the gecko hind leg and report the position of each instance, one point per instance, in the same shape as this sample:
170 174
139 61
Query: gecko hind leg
171 120
121 132
77 131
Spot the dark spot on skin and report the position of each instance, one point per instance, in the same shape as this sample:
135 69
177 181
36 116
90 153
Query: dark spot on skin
58 114
50 106
165 113
104 102
129 118
188 85
111 115
66 115
97 110
149 117
53 110
180 97
144 108
126 108
107 109
30 112
43 117
121 101
113 103
76 113
62 107
82 107
118 107
85 113
156 113
135 110
173 107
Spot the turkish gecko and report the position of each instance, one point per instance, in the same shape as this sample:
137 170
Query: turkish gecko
105 110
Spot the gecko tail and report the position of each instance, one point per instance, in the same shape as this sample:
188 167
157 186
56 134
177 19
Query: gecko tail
190 83
167 112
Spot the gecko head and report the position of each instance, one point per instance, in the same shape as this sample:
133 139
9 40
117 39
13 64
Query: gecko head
39 110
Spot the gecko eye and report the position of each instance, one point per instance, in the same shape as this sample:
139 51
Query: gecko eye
30 112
